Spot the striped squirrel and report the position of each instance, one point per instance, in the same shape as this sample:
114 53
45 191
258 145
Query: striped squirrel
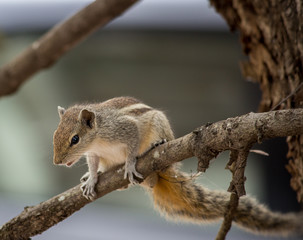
121 129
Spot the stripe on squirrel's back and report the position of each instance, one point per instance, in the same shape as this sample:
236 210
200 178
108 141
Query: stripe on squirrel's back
139 111
136 109
120 102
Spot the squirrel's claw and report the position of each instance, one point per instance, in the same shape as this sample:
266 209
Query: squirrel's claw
88 188
153 146
130 172
158 143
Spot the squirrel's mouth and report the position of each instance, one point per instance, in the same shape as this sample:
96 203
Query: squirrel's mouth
69 163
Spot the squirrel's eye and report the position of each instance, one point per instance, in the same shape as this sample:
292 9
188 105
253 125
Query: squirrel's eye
75 140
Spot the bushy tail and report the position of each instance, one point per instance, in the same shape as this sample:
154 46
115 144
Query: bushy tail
179 198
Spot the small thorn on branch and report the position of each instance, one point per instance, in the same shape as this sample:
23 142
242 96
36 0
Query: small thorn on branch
260 152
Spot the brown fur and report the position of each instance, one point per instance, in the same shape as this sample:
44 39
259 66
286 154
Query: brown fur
178 198
139 111
120 102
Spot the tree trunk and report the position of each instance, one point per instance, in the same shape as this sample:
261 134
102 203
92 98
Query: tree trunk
272 36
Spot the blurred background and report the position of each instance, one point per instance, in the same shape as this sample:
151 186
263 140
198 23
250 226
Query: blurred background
178 56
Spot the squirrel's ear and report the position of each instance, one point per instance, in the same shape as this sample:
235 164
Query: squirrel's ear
61 111
87 118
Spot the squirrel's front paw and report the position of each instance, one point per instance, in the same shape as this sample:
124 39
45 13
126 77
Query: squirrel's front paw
88 188
130 172
84 177
158 143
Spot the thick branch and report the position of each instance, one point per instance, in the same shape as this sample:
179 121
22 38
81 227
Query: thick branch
49 48
231 134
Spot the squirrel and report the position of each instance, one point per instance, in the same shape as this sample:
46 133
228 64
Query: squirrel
119 131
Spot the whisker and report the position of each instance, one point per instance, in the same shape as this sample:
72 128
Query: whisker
81 163
212 183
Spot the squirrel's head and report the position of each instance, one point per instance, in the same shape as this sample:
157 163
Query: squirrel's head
75 132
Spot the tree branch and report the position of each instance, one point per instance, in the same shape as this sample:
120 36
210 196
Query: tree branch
237 168
49 48
236 164
231 134
228 216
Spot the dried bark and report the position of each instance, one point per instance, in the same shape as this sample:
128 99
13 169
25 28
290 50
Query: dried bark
234 134
272 37
228 216
44 52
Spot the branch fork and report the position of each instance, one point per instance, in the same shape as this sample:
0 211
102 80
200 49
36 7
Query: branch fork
234 134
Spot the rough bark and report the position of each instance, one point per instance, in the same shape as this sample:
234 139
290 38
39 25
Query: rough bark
235 134
44 52
272 36
228 216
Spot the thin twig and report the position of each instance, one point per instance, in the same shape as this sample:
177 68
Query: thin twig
236 164
49 48
287 97
238 173
228 216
